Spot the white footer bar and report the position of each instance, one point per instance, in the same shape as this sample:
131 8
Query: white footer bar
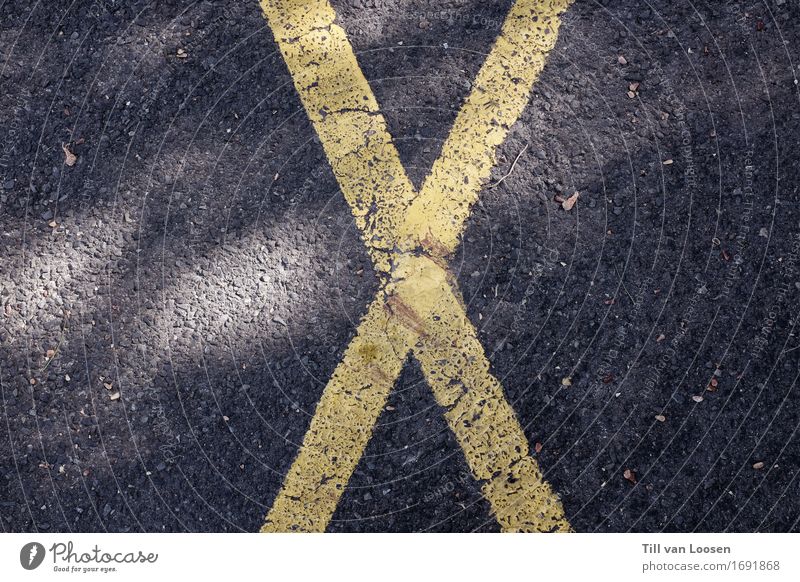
354 557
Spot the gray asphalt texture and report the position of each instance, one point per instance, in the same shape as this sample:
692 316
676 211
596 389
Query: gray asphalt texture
173 303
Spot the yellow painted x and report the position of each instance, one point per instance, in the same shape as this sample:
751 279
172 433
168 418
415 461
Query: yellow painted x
409 236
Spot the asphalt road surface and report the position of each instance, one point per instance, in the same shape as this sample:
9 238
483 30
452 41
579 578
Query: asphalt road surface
188 247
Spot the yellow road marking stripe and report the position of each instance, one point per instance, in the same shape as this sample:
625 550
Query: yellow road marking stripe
484 424
418 308
499 94
347 118
350 405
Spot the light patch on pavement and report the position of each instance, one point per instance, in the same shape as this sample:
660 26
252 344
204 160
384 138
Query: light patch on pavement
409 235
232 291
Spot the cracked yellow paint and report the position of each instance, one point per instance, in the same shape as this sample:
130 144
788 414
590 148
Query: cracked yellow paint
409 236
484 424
342 425
500 93
347 118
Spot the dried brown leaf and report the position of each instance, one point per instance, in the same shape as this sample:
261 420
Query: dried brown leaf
69 157
570 202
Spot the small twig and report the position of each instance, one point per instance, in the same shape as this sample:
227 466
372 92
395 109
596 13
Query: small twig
623 285
514 165
58 346
55 353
